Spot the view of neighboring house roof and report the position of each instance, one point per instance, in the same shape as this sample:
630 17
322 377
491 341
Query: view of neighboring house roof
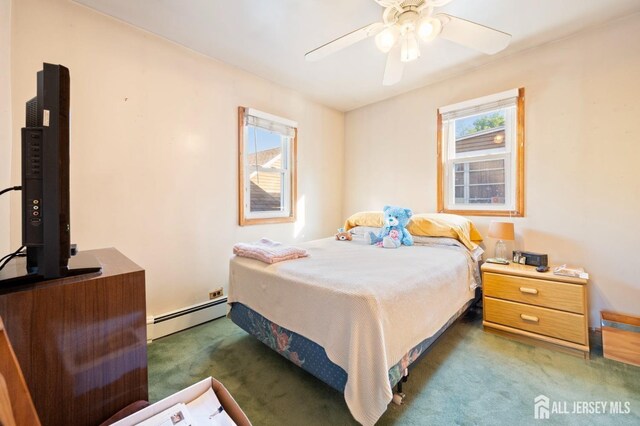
262 158
265 187
485 139
262 201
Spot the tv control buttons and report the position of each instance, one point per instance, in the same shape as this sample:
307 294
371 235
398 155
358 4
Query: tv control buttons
36 213
36 201
36 207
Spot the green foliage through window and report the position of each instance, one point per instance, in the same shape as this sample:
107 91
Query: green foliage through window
484 122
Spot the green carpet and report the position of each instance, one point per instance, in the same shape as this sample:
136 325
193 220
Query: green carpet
469 377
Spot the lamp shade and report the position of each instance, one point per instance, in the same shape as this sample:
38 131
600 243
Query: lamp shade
385 40
501 230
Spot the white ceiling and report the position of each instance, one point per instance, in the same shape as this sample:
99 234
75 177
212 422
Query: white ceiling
270 37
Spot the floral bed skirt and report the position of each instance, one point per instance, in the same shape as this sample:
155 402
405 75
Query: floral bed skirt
312 357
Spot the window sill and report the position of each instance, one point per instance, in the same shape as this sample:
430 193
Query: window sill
266 220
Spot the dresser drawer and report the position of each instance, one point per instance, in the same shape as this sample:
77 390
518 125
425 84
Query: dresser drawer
548 322
549 294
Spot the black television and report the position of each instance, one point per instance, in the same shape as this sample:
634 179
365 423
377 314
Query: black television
46 227
45 175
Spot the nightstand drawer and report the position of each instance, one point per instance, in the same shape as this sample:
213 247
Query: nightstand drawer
548 322
555 295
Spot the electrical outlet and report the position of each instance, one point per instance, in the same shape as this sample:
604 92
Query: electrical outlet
218 292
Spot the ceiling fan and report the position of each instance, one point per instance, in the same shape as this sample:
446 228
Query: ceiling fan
404 22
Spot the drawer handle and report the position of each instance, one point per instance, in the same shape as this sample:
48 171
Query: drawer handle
528 290
529 318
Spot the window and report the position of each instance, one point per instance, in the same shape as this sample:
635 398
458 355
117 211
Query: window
481 156
267 167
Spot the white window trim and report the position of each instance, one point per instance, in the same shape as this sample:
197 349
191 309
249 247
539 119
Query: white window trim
484 100
287 169
510 152
285 197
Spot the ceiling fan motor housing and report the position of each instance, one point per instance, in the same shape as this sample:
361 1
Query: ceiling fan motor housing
403 13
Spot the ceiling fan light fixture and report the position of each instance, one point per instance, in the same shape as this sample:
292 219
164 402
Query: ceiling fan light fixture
406 23
429 28
386 39
409 51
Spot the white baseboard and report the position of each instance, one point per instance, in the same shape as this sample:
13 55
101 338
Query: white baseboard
181 319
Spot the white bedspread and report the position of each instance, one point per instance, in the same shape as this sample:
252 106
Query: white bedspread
366 306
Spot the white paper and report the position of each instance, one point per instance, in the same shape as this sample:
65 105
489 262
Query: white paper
178 415
207 410
570 272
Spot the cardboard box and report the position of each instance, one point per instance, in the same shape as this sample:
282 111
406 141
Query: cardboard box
187 395
621 337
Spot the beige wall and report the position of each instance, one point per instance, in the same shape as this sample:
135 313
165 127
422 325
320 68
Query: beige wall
582 153
5 123
154 147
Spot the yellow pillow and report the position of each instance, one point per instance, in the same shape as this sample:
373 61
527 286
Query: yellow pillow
445 225
426 225
374 219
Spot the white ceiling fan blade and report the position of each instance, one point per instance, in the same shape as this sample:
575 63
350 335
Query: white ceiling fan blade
486 40
438 3
344 41
389 3
394 67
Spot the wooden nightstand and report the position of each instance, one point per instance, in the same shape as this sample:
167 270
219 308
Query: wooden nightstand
534 307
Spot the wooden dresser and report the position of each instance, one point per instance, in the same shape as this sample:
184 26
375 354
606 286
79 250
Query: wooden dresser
540 308
81 341
16 405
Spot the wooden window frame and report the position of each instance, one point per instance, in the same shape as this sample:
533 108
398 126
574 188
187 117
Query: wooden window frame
242 219
519 181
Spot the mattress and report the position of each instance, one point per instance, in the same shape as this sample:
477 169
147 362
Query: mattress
367 307
312 357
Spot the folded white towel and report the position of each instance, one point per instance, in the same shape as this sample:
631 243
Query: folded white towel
268 251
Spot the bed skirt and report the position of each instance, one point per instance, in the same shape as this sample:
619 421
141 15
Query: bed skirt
312 357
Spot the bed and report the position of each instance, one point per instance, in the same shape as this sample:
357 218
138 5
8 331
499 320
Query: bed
353 315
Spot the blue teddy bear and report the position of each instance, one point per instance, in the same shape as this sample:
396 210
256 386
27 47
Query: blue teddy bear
394 232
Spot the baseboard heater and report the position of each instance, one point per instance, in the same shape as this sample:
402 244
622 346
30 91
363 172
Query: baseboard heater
181 319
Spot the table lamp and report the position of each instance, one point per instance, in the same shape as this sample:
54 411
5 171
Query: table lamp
502 231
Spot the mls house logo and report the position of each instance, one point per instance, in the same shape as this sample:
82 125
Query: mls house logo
541 407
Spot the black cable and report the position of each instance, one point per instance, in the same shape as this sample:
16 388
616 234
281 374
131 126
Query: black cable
21 254
11 188
10 256
14 254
